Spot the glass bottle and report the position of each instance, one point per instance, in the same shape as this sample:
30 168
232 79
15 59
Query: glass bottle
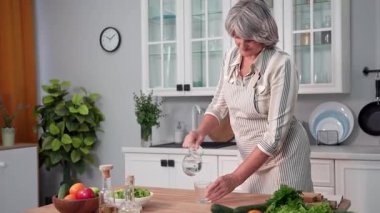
129 205
106 194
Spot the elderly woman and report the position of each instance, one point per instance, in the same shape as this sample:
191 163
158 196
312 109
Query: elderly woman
258 88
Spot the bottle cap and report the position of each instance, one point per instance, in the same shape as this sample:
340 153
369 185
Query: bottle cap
130 180
105 169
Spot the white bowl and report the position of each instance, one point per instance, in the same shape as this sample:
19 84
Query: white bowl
142 200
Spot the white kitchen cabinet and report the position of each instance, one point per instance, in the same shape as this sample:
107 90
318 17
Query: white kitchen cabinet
358 180
323 175
165 170
317 36
228 164
18 178
183 43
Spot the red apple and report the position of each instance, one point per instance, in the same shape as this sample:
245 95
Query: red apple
85 193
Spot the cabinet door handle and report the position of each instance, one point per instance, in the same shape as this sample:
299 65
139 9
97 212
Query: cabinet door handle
171 163
179 87
186 87
164 163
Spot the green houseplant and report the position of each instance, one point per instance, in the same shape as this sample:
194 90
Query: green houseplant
68 123
147 113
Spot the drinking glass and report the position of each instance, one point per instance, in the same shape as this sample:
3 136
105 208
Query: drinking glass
200 188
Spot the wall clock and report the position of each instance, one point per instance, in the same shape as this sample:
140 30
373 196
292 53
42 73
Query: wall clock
110 39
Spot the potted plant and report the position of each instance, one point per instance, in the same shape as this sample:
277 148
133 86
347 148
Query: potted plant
147 113
68 123
8 130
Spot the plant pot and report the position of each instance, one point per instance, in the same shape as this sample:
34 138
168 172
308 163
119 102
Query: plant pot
146 136
8 136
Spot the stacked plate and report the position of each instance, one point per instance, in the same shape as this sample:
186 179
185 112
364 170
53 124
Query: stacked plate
331 123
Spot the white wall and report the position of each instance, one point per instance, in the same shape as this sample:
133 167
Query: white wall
67 33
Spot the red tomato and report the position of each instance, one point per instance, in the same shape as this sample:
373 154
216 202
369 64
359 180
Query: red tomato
85 193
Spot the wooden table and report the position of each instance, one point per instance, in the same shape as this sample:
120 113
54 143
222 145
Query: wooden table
181 200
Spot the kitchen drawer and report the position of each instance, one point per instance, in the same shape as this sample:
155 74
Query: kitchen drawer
322 172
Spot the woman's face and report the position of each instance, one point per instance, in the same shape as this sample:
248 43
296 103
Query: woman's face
248 47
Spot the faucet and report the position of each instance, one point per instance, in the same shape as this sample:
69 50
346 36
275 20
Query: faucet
195 112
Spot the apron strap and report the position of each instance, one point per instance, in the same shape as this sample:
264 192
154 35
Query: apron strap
255 78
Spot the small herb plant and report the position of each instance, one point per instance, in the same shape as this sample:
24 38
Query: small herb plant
147 111
6 116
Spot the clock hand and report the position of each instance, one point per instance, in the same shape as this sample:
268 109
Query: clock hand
113 36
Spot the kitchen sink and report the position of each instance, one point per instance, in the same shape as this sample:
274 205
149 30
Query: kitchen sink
205 145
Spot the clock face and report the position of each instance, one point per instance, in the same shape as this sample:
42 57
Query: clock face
110 39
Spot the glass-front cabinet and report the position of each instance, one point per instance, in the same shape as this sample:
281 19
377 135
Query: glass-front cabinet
183 44
317 35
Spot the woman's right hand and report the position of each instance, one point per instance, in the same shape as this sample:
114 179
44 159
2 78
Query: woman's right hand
193 140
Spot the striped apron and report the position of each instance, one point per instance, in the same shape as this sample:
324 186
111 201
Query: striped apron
290 165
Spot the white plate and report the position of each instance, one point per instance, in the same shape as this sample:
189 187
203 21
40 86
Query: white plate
333 116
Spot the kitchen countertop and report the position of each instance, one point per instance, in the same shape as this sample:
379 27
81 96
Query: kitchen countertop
167 200
17 146
229 150
341 152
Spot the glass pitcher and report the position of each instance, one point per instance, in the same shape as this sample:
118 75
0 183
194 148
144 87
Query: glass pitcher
192 162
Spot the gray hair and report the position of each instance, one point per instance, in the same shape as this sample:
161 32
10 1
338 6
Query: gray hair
252 20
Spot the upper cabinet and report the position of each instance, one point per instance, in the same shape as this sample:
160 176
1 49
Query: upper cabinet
317 36
277 9
183 44
184 41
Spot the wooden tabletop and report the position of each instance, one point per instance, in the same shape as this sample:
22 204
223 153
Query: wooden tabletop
167 200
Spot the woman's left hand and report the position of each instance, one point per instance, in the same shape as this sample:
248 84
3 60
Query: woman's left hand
221 187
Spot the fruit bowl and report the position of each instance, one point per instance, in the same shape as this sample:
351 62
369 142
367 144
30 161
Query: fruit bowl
83 206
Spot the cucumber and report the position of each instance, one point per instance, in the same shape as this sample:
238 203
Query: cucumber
219 208
62 191
244 209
